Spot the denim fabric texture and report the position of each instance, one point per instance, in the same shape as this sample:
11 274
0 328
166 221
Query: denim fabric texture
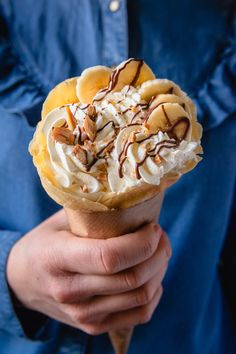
190 42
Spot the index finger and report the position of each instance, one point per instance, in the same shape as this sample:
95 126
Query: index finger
109 256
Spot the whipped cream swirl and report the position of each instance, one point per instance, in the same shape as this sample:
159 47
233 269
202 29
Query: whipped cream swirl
107 146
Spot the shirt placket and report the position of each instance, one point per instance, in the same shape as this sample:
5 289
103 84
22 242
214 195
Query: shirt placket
115 31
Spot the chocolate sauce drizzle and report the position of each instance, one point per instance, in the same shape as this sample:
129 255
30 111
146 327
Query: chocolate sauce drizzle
135 115
174 140
165 114
149 112
115 77
168 144
140 64
85 107
98 155
76 109
126 110
166 141
109 122
105 147
122 157
170 91
170 131
130 124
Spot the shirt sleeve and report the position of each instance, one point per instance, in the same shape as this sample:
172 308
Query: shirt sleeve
22 89
216 100
15 319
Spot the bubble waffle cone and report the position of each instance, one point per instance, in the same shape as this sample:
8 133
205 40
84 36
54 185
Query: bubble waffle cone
109 143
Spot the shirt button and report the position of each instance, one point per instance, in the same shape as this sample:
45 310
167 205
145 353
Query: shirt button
114 5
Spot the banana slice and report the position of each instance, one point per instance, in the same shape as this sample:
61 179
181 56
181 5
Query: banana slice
63 93
172 92
159 86
91 81
168 98
186 103
167 115
143 73
131 72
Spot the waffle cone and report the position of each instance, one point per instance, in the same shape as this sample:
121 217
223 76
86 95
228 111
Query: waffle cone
112 223
120 339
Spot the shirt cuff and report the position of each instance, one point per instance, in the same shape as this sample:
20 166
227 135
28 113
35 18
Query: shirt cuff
19 321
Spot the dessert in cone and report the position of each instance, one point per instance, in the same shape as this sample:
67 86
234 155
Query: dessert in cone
108 145
112 223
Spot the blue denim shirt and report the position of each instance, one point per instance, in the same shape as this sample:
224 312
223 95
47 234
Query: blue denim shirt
190 42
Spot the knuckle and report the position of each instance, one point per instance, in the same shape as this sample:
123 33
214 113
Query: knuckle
50 260
148 249
82 315
76 288
148 309
59 293
110 260
132 279
76 316
143 295
72 314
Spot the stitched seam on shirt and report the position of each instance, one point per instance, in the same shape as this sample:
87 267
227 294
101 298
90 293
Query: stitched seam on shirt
119 33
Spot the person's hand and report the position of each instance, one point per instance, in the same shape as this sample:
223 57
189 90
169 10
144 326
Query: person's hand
94 285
